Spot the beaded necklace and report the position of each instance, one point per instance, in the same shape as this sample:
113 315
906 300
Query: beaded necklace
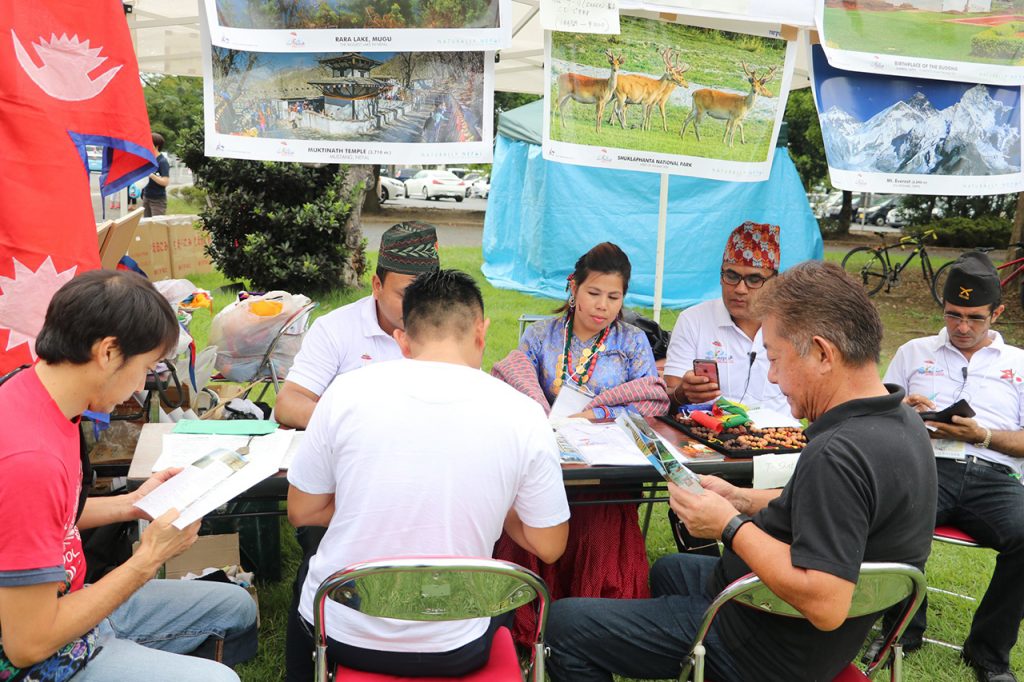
584 369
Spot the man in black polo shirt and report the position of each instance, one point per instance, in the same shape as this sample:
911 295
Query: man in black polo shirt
862 491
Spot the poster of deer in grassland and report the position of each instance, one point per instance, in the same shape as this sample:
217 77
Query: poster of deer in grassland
694 100
915 136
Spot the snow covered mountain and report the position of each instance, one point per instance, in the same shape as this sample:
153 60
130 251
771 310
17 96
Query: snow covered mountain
976 136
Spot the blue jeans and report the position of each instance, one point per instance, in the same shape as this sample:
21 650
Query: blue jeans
590 639
147 635
989 506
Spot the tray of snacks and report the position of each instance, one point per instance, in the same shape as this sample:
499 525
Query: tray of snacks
742 441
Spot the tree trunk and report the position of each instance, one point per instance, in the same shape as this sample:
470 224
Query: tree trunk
353 185
845 214
1017 233
371 200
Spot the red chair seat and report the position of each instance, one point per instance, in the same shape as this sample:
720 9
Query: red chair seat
851 673
953 534
503 666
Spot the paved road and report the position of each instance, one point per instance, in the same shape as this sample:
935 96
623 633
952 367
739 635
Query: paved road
443 203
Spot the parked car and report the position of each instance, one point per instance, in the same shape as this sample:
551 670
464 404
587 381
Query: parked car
460 173
403 174
469 179
832 210
391 188
877 214
480 188
95 157
434 184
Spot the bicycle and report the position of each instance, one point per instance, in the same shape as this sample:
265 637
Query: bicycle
939 282
872 267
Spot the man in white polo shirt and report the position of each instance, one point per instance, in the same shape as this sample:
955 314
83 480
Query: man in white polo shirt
978 460
346 339
726 331
360 333
471 456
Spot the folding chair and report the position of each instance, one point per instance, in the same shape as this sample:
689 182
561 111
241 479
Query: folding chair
953 536
436 589
880 586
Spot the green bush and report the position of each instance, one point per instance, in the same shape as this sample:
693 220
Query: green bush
277 225
999 42
972 232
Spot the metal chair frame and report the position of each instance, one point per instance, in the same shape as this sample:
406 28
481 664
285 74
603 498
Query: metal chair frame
880 586
951 535
339 588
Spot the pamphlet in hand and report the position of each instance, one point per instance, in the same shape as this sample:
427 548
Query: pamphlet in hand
657 454
207 483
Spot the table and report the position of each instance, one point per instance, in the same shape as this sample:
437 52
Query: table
623 482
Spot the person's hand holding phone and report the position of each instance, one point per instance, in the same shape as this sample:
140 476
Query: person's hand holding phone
701 384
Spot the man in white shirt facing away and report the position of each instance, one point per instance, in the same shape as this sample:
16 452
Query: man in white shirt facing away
360 333
426 455
979 460
724 329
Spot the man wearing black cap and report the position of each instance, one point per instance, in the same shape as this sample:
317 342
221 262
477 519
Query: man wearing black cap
978 460
360 333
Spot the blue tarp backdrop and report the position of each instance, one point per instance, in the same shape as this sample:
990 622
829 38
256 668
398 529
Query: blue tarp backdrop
542 215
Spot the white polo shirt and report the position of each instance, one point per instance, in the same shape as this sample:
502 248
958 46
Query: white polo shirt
342 340
706 331
993 384
423 458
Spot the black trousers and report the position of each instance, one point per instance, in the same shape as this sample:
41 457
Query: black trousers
989 506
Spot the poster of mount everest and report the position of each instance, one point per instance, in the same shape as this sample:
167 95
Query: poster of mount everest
915 136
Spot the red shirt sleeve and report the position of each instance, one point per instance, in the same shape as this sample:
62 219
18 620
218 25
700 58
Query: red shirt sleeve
38 501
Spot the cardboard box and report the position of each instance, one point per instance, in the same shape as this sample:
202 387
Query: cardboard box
151 250
188 250
209 550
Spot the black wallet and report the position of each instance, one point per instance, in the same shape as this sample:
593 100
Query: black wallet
960 409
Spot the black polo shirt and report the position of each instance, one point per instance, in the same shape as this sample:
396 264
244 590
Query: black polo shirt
863 490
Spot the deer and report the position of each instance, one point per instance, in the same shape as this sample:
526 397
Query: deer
649 92
727 106
589 90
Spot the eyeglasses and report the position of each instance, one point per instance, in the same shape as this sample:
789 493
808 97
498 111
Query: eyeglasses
971 320
733 278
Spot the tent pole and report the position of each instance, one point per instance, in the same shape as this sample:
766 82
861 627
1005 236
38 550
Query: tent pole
659 265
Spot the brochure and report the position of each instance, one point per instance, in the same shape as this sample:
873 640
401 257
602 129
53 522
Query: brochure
657 454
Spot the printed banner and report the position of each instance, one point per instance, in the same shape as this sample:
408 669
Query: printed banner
971 41
333 25
915 136
349 107
795 12
667 97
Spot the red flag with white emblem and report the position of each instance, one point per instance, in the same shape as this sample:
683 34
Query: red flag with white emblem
68 78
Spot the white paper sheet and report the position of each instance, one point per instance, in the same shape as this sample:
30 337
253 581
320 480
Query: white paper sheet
774 471
569 401
602 444
580 16
767 418
180 449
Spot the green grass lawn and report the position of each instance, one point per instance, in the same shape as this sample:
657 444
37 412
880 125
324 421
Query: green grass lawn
907 312
914 34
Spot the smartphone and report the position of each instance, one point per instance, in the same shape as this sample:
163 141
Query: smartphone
706 368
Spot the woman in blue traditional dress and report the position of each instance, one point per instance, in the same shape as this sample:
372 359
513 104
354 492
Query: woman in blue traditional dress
590 348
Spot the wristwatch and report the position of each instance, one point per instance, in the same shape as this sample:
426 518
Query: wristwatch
729 532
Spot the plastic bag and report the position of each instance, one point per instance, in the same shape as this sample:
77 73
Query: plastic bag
244 330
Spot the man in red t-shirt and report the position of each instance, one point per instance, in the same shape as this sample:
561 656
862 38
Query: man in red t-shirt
103 331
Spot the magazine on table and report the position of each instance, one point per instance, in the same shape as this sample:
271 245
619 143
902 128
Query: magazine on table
658 454
597 444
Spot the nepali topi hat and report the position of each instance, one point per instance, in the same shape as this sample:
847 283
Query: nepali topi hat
754 245
973 281
409 248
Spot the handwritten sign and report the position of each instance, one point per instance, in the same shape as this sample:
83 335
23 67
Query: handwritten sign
580 16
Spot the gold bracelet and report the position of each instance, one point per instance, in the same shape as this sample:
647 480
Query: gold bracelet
987 441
